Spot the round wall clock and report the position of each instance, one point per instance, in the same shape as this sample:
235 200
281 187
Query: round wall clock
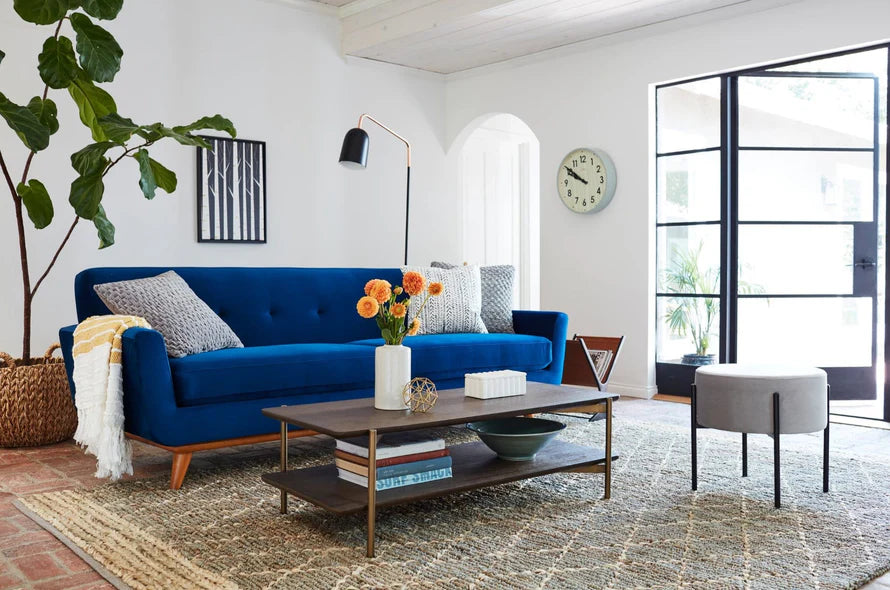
586 180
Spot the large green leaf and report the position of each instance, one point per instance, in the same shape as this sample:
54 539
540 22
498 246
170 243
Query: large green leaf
104 227
165 178
27 126
117 129
91 159
153 175
100 55
41 12
46 112
157 131
37 202
93 103
86 194
216 122
103 9
57 63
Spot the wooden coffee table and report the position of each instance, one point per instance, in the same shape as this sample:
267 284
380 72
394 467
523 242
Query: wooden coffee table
473 464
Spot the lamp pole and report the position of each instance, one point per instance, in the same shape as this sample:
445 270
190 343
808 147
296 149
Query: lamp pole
355 153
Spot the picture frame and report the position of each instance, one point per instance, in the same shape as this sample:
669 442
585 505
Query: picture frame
231 191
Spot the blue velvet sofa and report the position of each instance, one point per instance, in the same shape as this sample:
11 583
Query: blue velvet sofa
303 343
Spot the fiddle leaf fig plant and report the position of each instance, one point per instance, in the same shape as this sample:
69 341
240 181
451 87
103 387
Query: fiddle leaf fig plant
79 66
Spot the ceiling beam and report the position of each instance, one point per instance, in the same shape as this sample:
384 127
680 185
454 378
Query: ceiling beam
396 19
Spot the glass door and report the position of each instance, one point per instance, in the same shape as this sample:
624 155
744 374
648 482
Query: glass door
806 240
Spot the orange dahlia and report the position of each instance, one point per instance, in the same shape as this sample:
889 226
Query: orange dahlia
414 328
380 291
436 289
398 310
413 282
367 307
368 286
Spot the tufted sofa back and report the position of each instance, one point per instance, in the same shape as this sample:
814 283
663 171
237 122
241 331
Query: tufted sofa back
264 306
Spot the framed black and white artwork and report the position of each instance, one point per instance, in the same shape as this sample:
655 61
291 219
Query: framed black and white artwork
232 191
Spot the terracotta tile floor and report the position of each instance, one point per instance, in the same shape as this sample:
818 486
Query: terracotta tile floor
31 558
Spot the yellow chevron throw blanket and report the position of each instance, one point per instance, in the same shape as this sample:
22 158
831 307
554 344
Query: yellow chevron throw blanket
99 398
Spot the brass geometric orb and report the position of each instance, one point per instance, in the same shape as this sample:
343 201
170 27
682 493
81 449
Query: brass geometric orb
420 394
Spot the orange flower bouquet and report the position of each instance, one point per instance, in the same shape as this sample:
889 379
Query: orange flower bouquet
389 305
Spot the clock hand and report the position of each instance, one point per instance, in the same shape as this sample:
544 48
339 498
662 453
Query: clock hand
574 174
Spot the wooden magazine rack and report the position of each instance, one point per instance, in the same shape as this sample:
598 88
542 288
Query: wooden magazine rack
581 366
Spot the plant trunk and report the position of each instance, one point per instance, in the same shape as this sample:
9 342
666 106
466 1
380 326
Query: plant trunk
27 297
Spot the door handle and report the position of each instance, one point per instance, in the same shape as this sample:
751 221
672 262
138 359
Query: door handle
864 263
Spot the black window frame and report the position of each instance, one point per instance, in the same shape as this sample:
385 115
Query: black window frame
673 378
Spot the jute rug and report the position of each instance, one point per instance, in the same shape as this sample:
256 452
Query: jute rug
223 529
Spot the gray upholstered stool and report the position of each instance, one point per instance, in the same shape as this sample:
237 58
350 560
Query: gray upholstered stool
760 399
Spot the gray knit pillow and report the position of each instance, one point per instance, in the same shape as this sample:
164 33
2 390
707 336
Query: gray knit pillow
187 324
497 295
458 308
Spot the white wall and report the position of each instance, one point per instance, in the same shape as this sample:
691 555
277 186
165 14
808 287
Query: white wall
600 268
275 70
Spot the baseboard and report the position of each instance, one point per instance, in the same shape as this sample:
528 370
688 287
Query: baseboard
645 392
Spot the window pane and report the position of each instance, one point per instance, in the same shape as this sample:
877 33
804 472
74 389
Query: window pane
689 187
688 116
689 259
806 112
822 332
811 259
680 319
805 186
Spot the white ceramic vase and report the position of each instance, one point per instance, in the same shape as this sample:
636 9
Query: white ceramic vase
392 371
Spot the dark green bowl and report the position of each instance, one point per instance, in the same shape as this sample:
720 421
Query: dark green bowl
516 439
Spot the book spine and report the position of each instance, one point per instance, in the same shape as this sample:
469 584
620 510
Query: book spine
396 482
398 451
412 478
392 460
413 467
353 467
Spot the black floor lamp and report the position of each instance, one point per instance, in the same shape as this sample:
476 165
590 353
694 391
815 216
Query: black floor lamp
354 154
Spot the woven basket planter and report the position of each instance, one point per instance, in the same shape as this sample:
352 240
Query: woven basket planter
35 401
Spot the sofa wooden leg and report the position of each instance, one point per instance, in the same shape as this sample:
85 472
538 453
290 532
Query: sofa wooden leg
180 466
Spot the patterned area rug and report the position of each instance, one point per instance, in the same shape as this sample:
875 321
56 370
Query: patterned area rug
223 529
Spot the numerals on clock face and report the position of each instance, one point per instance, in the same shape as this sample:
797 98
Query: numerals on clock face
582 180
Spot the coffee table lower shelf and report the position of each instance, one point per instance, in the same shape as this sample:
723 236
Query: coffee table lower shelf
473 466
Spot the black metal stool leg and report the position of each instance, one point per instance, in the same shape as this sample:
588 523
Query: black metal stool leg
744 454
776 469
825 445
694 440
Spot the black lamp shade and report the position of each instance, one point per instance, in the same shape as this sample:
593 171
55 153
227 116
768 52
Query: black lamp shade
354 153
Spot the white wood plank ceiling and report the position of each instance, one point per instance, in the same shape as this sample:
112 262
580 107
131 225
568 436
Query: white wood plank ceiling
449 36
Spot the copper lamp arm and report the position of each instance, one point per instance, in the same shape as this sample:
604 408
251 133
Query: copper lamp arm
405 141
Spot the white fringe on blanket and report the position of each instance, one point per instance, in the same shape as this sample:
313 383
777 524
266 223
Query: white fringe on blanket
99 393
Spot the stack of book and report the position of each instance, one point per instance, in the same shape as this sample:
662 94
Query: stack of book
403 459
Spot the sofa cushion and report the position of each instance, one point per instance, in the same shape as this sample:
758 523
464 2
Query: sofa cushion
497 295
446 356
188 325
259 372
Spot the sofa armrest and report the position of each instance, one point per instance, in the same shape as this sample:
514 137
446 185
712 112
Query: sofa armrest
66 340
148 386
149 401
554 326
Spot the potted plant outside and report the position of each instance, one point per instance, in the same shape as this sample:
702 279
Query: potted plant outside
35 403
695 316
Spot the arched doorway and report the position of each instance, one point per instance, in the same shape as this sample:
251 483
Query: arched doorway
498 160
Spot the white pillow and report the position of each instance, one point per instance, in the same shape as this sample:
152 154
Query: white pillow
458 309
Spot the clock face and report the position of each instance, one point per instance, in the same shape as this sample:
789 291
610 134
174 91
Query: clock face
586 180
